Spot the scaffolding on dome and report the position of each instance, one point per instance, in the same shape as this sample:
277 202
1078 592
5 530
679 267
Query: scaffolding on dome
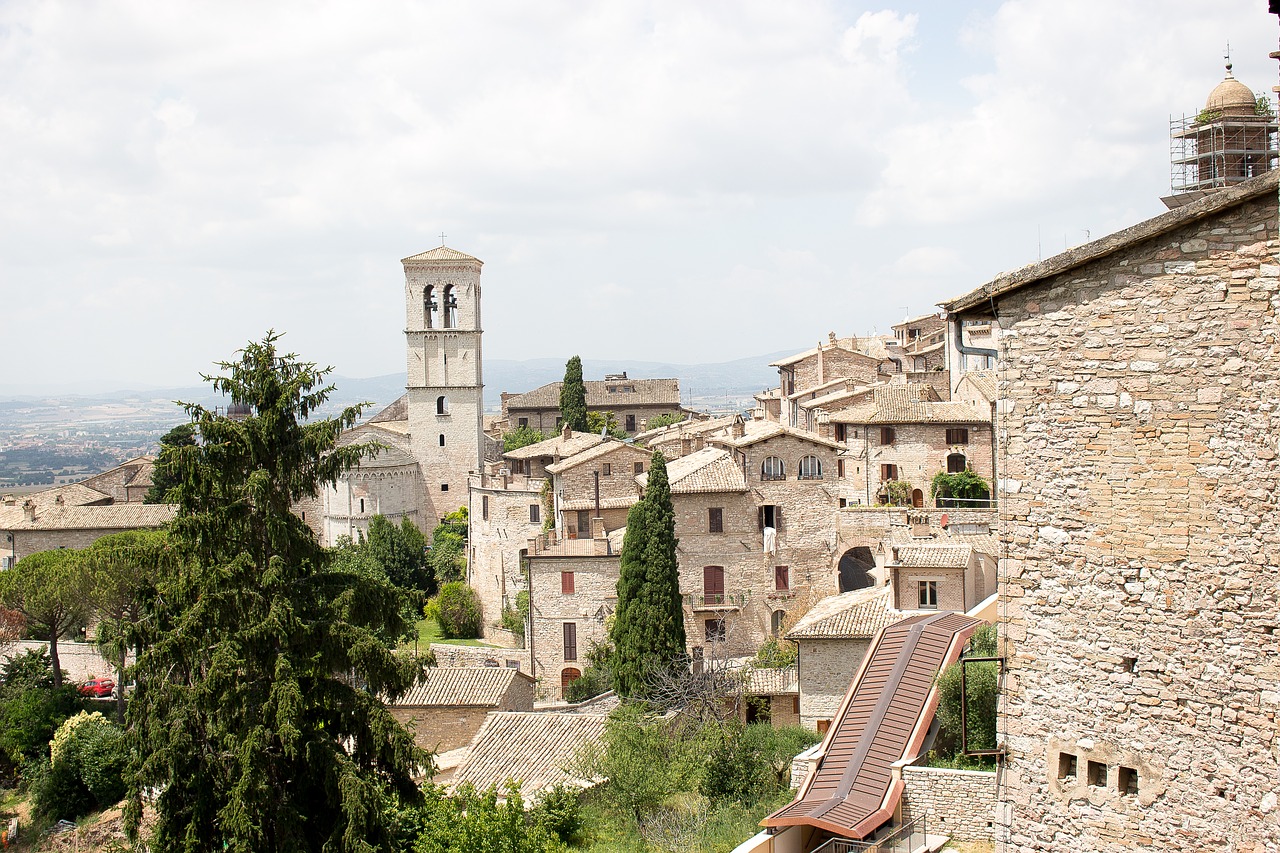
1211 151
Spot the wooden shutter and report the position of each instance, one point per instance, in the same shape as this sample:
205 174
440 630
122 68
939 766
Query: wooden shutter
713 584
566 583
570 641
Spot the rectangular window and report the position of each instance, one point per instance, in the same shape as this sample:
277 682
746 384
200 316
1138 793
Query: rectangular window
566 583
1066 767
842 431
1127 782
484 507
770 515
715 520
535 514
444 487
523 422
795 705
631 423
957 435
713 584
823 726
715 632
607 470
928 595
888 472
781 578
570 641
639 468
886 435
1097 774
839 467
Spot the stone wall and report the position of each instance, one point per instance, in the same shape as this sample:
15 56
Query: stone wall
440 729
918 450
827 667
595 585
958 803
495 544
30 541
1140 596
448 654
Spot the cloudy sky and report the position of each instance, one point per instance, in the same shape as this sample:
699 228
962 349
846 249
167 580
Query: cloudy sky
647 180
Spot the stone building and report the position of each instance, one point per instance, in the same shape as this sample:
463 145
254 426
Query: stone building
532 460
596 483
940 577
1138 376
632 401
505 512
446 709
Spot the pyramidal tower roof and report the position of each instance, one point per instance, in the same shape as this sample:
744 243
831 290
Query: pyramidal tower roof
441 253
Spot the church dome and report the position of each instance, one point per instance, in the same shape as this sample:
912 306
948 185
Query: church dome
1231 97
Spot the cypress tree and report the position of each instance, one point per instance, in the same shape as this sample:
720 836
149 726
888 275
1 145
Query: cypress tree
573 396
256 716
648 629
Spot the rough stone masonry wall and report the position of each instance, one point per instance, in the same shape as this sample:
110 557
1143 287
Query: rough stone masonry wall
1140 598
594 597
494 569
447 654
827 668
958 803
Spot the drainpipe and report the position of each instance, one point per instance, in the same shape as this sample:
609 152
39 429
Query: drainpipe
963 348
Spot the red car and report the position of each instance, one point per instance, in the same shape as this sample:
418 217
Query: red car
98 688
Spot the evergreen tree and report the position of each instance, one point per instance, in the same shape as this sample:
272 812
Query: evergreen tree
257 716
163 477
50 589
573 396
648 629
402 553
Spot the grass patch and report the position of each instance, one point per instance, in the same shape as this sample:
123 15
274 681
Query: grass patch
726 826
429 632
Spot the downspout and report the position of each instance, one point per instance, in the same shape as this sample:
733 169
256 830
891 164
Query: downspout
963 348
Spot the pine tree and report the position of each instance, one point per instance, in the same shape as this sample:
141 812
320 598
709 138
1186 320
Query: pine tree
648 629
256 716
163 477
573 396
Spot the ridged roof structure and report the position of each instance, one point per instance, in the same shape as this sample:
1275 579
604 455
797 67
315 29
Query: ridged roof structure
469 686
440 253
854 615
704 471
535 748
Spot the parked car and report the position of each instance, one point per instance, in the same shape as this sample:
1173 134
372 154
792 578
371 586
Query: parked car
99 688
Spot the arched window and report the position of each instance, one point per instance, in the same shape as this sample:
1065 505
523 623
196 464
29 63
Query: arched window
956 463
775 622
428 306
810 468
442 405
450 307
773 469
442 439
567 677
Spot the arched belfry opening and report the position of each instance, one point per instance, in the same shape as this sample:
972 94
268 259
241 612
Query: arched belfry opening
450 307
428 306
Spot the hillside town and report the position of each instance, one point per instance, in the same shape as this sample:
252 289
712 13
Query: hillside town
1078 454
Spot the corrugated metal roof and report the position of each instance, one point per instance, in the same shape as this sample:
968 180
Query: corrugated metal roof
883 720
537 749
470 686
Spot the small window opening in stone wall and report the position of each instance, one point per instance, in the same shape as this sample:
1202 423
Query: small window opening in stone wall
442 439
1067 765
1128 781
1097 774
1130 664
444 487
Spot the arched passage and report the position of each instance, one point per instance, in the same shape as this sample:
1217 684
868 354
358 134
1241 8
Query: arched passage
856 567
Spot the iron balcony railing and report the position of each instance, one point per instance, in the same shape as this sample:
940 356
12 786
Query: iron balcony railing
905 839
715 601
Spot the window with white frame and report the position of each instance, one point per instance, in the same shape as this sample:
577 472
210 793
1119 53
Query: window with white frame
928 595
773 469
810 468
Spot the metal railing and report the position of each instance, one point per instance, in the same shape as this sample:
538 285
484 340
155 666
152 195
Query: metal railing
905 839
715 601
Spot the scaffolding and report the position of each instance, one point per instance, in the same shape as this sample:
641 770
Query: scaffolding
1215 151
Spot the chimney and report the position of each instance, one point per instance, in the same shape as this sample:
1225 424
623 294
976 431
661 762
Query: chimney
567 432
739 429
686 445
698 443
59 500
29 510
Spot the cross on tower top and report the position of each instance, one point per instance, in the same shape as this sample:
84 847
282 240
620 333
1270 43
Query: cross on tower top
441 238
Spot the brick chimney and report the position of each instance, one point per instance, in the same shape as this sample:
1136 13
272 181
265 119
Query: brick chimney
29 510
739 429
566 432
686 445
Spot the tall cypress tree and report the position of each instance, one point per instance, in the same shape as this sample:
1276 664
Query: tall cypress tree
648 629
573 396
256 716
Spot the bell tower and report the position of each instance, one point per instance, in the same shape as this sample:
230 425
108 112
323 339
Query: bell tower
445 388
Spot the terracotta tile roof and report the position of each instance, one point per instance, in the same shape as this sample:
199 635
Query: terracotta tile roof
644 392
934 556
125 516
1210 205
850 394
911 403
557 444
535 748
849 345
920 319
849 615
983 543
441 253
685 427
72 494
470 686
132 474
757 431
604 448
983 381
884 719
605 503
395 451
707 470
772 682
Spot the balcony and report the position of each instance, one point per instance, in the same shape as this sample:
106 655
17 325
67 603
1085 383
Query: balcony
715 601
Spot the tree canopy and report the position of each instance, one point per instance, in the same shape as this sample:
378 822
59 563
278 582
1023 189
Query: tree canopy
521 436
50 589
648 629
573 396
257 715
163 476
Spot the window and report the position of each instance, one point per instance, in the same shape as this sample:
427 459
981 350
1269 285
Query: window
1127 782
444 487
607 471
715 520
776 620
928 595
956 463
823 726
713 584
535 514
566 583
715 632
428 306
522 422
584 522
570 641
773 469
1097 774
639 467
957 435
888 472
810 468
362 506
559 422
886 435
770 515
842 432
840 468
567 677
442 439
1066 767
781 578
450 307
442 405
631 423
484 507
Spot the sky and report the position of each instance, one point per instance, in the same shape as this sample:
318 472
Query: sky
659 181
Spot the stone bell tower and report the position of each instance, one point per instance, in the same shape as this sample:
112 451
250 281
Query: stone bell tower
445 389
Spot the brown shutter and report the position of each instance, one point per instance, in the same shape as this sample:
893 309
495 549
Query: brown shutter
760 518
570 641
566 583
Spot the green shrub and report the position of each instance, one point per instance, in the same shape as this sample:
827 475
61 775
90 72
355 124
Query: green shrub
964 488
659 421
558 810
596 677
457 609
85 772
514 619
747 763
775 653
520 437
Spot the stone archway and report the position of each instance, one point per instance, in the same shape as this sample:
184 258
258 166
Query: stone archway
856 568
